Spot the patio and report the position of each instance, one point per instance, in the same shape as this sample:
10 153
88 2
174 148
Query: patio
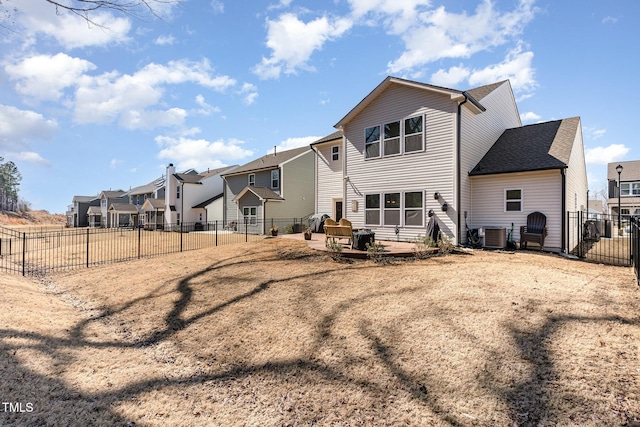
391 248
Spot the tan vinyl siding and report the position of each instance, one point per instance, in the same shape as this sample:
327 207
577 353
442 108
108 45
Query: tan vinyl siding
541 191
576 182
296 187
429 171
480 132
329 182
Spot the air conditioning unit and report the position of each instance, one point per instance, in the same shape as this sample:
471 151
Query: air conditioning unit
495 237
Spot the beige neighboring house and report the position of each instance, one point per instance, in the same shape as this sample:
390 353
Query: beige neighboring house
411 151
274 187
629 189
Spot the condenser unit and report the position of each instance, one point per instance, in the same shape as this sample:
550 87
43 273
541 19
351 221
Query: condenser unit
495 237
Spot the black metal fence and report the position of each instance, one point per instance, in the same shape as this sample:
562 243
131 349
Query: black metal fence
635 245
31 252
600 238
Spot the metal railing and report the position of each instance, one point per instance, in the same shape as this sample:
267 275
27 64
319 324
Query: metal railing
43 251
600 238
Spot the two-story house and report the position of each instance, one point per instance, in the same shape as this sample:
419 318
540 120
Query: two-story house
193 197
77 212
270 188
411 151
107 199
628 187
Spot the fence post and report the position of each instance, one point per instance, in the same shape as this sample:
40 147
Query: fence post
24 251
215 225
87 248
139 240
181 231
246 230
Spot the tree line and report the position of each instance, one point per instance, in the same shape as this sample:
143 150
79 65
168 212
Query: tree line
10 178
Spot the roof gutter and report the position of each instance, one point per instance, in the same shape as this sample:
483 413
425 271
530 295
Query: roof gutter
459 167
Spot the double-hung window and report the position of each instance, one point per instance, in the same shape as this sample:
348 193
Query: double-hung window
250 215
413 134
372 209
392 209
391 142
372 142
635 188
252 179
275 178
335 153
413 209
513 200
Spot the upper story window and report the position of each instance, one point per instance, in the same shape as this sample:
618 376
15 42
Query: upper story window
630 189
275 178
178 192
399 137
252 179
392 138
413 134
335 153
372 142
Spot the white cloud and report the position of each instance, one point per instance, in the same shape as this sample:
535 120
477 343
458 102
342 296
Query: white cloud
291 143
593 133
165 40
44 77
529 116
293 41
205 109
250 93
217 6
110 96
439 34
397 15
450 78
609 20
32 157
516 67
17 127
603 155
39 18
201 154
114 163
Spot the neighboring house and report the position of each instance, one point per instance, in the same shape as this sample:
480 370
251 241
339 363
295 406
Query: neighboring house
155 190
189 195
94 215
273 187
596 208
153 211
107 198
411 148
77 211
629 189
124 215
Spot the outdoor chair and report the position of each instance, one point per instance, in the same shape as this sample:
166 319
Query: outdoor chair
535 231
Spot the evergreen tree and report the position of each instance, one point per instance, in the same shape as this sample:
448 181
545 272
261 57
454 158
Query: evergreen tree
10 178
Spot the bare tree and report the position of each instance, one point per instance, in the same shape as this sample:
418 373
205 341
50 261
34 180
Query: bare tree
85 8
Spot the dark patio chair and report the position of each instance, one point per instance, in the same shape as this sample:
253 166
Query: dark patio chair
535 231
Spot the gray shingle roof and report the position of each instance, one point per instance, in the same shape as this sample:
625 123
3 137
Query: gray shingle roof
630 170
206 202
529 148
94 210
112 194
482 91
269 161
153 204
330 137
124 208
262 192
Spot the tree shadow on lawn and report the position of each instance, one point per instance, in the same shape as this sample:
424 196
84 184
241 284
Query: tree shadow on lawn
527 397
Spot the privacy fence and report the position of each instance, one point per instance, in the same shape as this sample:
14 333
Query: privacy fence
40 250
605 239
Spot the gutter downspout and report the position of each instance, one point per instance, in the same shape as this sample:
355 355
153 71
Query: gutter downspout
564 210
315 180
458 168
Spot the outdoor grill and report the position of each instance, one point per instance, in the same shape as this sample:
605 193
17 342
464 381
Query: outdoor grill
362 237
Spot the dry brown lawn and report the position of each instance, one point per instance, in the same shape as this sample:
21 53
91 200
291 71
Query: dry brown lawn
270 333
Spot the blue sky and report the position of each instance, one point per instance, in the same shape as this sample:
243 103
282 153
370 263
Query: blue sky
85 108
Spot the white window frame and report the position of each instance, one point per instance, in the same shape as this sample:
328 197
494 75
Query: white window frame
404 135
251 180
378 209
335 153
378 141
520 200
276 179
405 209
252 218
402 209
401 138
391 139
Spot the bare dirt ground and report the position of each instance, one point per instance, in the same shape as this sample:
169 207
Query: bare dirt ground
271 333
31 218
